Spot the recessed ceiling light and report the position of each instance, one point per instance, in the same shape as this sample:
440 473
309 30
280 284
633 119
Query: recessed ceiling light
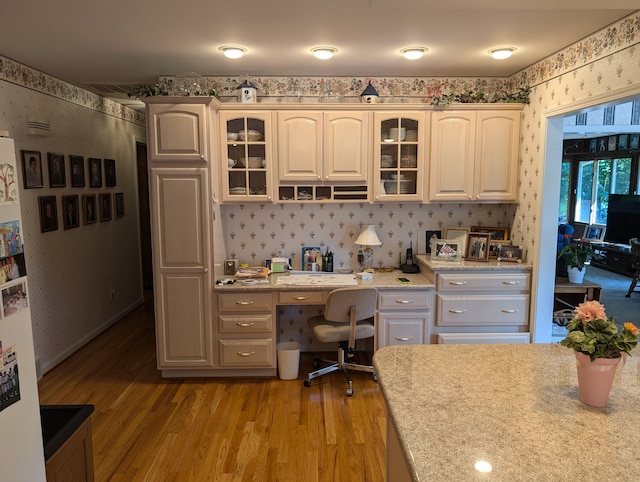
324 53
413 53
502 53
233 52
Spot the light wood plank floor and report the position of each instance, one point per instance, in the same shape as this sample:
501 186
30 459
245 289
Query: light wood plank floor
146 428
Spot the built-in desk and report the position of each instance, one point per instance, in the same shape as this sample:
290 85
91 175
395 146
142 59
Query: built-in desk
570 295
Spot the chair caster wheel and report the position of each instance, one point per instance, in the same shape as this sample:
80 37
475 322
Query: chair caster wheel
349 392
375 377
307 383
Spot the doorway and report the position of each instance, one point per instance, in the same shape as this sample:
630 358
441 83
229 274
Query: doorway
145 220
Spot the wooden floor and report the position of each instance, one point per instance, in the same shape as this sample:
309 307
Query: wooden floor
146 428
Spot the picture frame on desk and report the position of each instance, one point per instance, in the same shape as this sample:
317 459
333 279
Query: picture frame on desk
478 246
594 233
457 234
446 250
432 234
510 254
497 233
494 247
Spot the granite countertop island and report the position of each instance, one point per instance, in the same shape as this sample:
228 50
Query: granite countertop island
514 408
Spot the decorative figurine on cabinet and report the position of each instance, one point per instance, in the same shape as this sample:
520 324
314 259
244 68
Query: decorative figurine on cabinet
248 92
369 94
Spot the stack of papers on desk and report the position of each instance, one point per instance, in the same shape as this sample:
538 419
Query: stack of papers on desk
303 278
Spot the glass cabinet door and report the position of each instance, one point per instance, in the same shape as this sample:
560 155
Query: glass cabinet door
399 164
247 158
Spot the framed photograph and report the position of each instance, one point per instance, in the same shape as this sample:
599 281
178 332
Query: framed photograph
594 233
119 197
70 212
634 141
105 206
32 169
459 235
494 247
478 246
623 140
48 213
57 176
95 172
613 143
76 166
431 236
310 255
602 144
14 299
109 172
512 254
89 208
497 234
446 250
593 145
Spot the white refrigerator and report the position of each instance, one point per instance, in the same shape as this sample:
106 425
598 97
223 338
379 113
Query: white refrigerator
21 450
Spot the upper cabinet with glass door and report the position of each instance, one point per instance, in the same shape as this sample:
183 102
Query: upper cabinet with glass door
399 156
246 156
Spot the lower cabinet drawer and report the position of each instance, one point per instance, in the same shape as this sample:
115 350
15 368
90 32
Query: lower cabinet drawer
258 323
482 310
254 353
397 329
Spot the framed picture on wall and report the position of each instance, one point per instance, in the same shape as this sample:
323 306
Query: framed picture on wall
109 172
32 169
89 208
48 213
76 166
70 212
634 141
95 172
57 175
105 207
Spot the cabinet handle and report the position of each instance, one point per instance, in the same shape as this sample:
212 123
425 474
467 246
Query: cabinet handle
244 303
245 353
202 157
511 282
507 310
457 312
404 302
404 338
300 298
457 283
206 270
245 325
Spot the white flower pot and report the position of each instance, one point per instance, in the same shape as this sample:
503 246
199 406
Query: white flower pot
576 276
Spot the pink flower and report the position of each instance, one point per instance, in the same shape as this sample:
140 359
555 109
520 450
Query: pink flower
590 310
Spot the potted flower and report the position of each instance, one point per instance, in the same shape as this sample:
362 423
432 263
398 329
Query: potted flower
598 347
575 256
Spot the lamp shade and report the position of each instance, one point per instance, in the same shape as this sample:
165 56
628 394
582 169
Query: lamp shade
368 236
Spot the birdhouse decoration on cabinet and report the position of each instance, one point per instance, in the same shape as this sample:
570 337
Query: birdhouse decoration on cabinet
369 94
248 92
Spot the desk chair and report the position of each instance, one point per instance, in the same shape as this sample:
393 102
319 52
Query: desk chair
635 264
348 316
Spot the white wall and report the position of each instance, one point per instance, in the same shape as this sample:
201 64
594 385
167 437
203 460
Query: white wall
71 272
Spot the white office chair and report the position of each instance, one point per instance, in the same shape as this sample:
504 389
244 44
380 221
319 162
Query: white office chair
348 316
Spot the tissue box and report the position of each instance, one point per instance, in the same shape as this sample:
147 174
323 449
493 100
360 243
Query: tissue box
279 265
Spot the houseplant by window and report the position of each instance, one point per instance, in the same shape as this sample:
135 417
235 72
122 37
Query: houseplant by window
576 255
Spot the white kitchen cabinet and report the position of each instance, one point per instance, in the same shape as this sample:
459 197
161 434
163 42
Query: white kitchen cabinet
181 260
399 156
404 317
474 155
246 156
323 146
178 131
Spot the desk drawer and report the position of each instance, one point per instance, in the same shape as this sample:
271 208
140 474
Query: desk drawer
243 302
483 282
258 323
255 353
302 297
482 310
405 299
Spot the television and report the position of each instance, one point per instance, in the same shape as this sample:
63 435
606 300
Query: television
623 218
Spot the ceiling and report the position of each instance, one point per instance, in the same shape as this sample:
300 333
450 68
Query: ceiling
108 46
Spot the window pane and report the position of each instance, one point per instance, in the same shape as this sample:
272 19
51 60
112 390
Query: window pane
565 179
621 176
584 189
603 186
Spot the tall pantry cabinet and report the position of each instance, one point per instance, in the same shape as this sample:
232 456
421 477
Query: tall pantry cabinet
180 164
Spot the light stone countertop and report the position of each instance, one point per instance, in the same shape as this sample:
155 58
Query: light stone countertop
380 281
514 406
425 261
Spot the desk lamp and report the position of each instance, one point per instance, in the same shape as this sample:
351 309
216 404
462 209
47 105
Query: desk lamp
368 238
